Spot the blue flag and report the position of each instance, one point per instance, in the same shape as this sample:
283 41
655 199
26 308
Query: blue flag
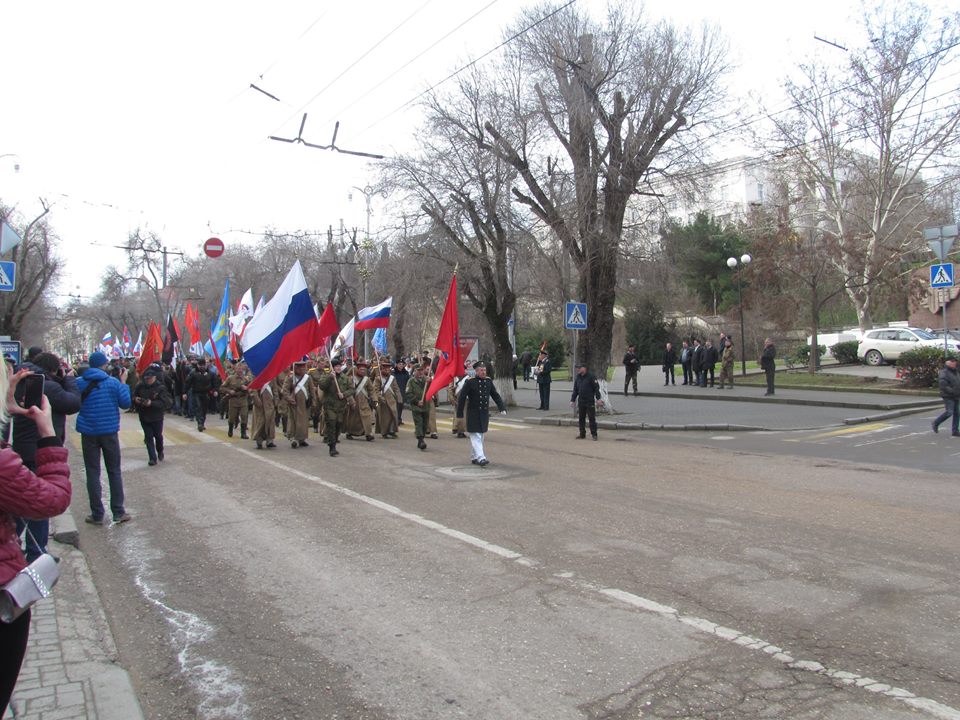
380 340
220 330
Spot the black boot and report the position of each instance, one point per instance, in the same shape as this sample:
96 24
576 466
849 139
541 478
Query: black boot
243 433
420 443
229 429
333 450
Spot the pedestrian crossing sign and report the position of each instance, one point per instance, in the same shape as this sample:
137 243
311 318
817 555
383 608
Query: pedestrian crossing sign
8 276
575 316
941 276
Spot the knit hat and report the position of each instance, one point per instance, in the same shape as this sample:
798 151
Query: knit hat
97 359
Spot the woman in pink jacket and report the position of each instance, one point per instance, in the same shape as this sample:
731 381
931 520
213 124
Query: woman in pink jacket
28 495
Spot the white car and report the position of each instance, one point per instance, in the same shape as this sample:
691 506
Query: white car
884 344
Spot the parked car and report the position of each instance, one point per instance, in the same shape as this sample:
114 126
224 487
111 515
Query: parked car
951 334
881 345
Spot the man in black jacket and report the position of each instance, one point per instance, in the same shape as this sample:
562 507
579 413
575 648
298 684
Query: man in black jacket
767 363
631 366
203 385
152 399
696 362
949 383
60 387
709 362
669 360
586 389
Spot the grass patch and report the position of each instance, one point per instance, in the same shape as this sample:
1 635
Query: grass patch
827 381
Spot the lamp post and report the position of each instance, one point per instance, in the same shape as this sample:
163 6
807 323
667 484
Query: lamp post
733 264
363 270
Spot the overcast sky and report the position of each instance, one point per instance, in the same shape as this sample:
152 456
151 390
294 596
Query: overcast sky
127 114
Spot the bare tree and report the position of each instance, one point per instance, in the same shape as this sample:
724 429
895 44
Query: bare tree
38 268
595 111
876 140
464 191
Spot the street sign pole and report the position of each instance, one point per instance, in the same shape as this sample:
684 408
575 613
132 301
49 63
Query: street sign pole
940 239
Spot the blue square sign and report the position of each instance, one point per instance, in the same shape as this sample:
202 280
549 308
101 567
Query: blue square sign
8 276
941 276
575 316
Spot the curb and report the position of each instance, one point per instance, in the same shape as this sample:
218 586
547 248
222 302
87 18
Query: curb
64 530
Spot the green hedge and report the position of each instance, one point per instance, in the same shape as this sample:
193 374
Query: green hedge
802 353
921 367
845 352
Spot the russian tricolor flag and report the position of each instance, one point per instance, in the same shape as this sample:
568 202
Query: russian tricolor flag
284 330
377 316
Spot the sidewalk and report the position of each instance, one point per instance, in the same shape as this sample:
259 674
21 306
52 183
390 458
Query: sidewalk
70 670
679 407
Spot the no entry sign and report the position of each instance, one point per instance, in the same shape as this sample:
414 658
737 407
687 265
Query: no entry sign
213 247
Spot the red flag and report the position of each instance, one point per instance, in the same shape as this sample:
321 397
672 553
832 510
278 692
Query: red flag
192 321
450 364
152 348
216 358
329 326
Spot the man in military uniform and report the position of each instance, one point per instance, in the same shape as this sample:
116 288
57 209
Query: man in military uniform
299 393
475 397
234 391
416 391
359 420
264 411
316 372
388 391
337 392
283 410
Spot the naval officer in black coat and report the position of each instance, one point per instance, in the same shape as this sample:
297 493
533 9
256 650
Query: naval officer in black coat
476 395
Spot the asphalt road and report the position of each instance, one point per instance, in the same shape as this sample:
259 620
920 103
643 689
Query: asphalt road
652 575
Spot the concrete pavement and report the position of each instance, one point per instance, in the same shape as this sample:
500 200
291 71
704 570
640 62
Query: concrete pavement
70 671
71 668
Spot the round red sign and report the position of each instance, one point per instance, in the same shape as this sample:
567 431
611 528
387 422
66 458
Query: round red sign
213 247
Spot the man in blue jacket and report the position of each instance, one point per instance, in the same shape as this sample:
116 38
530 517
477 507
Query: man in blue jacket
102 398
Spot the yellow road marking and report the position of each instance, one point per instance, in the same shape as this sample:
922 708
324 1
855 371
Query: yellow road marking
852 430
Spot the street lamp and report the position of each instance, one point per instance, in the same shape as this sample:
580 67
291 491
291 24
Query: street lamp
16 165
733 264
363 270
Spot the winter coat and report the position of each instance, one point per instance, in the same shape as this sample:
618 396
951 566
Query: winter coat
26 494
159 397
586 388
64 399
99 414
949 382
476 396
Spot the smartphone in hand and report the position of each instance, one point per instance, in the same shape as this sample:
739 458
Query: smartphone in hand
32 391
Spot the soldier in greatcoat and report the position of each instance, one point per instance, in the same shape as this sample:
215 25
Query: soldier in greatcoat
475 398
299 393
337 389
234 391
264 411
388 390
360 416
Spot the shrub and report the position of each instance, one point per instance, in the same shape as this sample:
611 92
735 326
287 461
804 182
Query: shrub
845 352
920 367
802 353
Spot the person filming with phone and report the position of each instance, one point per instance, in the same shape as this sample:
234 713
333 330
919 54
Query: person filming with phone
25 493
48 379
102 397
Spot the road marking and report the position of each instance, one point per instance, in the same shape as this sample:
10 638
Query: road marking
889 439
839 432
932 707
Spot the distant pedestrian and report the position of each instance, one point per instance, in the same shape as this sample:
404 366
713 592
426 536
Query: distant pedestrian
102 397
526 362
767 363
949 382
686 363
544 368
631 366
586 390
727 357
710 357
696 362
669 360
152 399
475 397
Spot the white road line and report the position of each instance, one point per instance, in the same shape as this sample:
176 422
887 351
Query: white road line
927 705
888 439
